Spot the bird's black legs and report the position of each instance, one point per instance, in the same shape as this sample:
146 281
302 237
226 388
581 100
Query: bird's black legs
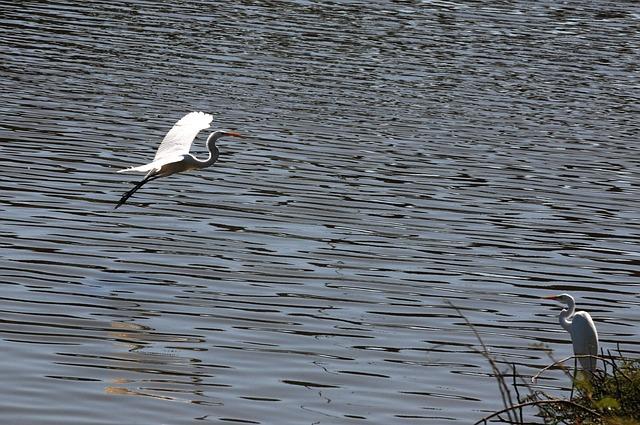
138 185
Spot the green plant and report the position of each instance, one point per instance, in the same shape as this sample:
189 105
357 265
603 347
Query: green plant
609 396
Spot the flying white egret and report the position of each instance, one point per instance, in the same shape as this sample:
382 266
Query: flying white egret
582 330
173 153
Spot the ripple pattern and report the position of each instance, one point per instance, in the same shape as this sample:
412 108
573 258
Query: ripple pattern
401 155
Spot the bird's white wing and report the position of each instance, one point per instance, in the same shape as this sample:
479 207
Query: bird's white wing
178 140
585 338
155 165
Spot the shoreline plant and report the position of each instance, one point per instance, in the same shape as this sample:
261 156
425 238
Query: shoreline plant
608 396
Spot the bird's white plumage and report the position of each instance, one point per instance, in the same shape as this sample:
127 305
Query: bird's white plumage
585 339
154 165
173 153
177 142
580 326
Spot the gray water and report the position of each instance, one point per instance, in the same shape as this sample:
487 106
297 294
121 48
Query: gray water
401 155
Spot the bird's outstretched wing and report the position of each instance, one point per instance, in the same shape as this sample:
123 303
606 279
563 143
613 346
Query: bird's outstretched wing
178 140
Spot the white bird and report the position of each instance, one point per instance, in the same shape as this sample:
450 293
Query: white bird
582 330
173 153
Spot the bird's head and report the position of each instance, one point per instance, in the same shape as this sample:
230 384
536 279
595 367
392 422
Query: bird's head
563 298
221 133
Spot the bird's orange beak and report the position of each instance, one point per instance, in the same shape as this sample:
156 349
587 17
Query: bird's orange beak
233 133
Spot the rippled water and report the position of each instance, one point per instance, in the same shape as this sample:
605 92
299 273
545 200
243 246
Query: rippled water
402 154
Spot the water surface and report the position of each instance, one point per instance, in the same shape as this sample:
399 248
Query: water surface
402 155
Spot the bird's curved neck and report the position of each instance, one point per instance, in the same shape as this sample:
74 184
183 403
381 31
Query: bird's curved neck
565 316
213 150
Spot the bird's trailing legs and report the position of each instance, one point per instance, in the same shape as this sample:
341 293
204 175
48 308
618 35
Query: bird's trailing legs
138 185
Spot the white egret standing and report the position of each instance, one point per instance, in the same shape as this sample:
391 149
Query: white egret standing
173 153
582 330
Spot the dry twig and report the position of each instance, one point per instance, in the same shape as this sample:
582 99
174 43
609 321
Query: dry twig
538 403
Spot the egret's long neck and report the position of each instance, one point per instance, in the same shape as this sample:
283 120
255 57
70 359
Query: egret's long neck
565 316
213 150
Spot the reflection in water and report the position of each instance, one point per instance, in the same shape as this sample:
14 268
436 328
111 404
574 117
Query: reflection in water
401 155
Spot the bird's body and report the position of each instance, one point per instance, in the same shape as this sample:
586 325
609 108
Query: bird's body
173 154
580 326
